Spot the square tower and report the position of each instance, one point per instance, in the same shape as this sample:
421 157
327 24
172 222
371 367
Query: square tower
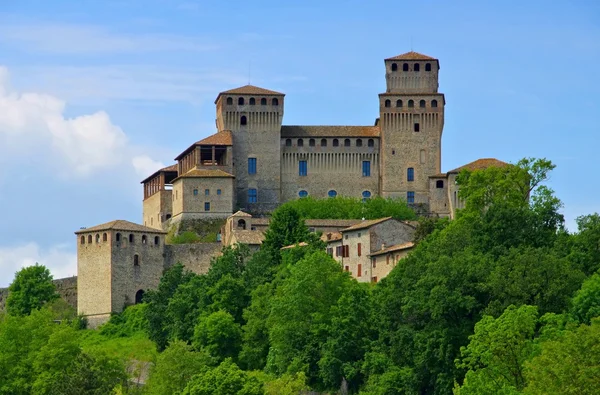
411 121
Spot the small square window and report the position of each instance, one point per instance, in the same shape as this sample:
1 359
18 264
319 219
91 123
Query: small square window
207 192
410 197
206 206
417 127
218 191
195 192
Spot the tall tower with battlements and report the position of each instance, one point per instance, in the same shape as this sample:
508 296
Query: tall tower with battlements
411 122
254 116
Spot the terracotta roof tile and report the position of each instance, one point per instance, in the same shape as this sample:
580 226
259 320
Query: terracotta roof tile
412 55
120 224
331 236
201 173
480 164
329 131
366 224
220 138
249 236
240 213
395 247
250 90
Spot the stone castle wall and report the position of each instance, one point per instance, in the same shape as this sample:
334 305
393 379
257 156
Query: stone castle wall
66 288
195 257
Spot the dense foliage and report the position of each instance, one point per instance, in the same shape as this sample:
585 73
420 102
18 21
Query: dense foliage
501 300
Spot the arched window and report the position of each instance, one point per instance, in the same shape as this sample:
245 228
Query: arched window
410 174
411 103
136 260
422 103
104 237
168 216
243 120
241 101
97 238
405 67
144 239
311 142
439 184
366 195
359 142
434 103
156 240
82 239
139 296
398 103
131 239
332 193
241 224
388 103
89 239
300 143
428 67
394 67
303 193
275 101
347 143
118 237
229 101
371 143
252 101
323 142
416 67
336 143
288 142
263 102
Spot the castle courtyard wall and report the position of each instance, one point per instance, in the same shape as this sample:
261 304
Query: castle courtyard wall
195 257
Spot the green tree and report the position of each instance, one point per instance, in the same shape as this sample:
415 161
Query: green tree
255 333
91 375
219 335
285 228
225 379
586 302
586 243
30 290
175 367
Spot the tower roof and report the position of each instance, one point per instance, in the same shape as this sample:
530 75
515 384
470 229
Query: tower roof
120 224
412 55
221 138
480 164
204 173
172 168
329 131
249 90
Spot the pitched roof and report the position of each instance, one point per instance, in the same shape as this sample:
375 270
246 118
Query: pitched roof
202 173
249 90
330 223
366 224
395 247
329 131
480 164
240 213
331 236
120 224
221 138
301 244
249 236
164 169
412 55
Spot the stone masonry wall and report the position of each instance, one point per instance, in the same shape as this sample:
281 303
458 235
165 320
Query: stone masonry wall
66 288
195 257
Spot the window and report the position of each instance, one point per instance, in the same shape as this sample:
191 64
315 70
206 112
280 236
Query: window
104 237
387 259
410 174
156 240
243 120
439 184
207 192
288 142
89 239
417 127
252 195
366 168
275 101
195 192
241 101
359 249
329 251
374 279
311 142
332 193
303 193
251 165
359 270
263 102
118 237
410 197
394 67
347 268
416 67
229 101
131 238
411 103
97 238
241 224
398 103
218 191
374 262
144 239
405 67
422 156
422 104
82 239
347 143
252 101
139 296
387 103
336 143
323 142
428 67
206 206
302 168
136 260
371 143
366 195
300 143
434 103
168 216
359 142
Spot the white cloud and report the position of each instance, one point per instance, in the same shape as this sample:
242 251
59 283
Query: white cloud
144 165
60 259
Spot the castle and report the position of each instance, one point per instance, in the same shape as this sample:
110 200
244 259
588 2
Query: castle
254 163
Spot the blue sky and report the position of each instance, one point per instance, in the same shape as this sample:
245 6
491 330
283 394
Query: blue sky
95 95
